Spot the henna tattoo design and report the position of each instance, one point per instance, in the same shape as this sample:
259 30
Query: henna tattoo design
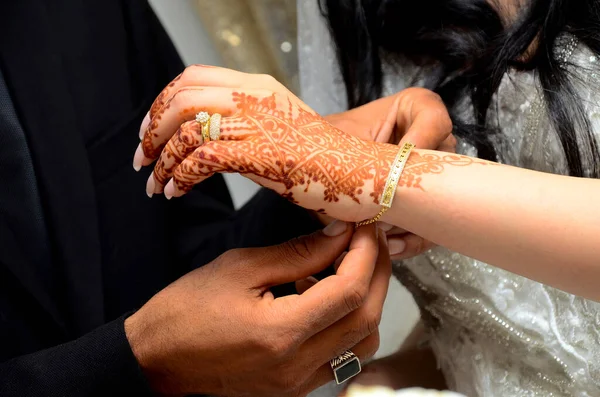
183 143
162 97
151 144
293 148
432 163
296 148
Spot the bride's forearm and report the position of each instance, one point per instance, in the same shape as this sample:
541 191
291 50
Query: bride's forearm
545 227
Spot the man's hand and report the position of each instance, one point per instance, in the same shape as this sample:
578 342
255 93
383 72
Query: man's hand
220 331
413 115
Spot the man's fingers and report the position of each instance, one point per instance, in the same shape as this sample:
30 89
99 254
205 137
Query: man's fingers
301 257
424 117
449 144
335 296
360 323
303 285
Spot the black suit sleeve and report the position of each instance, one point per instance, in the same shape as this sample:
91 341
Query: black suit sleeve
100 363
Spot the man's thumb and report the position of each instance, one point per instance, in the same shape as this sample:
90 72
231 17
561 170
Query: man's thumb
305 256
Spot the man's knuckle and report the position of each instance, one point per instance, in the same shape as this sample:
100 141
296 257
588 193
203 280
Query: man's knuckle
367 325
355 296
372 345
237 256
446 125
372 321
451 140
300 248
277 348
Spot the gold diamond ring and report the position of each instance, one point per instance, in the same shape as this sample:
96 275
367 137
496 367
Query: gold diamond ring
203 119
215 127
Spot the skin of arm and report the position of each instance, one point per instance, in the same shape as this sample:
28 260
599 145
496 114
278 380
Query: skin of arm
545 227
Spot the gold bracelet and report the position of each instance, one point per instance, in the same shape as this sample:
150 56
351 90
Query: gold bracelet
376 218
389 191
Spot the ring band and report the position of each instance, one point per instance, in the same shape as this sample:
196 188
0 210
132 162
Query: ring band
203 119
215 127
345 366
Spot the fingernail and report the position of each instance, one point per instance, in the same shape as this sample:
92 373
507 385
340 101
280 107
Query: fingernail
150 186
396 246
386 227
169 190
339 260
138 158
383 237
145 124
335 228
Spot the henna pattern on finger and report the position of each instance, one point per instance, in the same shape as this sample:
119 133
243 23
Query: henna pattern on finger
183 143
150 150
163 96
151 145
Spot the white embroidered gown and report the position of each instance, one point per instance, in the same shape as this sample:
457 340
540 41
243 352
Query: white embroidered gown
494 333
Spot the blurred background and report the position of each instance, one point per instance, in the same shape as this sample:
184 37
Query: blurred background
259 36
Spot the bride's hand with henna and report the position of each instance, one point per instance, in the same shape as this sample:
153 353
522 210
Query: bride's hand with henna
267 135
413 115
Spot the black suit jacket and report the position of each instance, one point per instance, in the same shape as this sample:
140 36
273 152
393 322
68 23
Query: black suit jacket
81 75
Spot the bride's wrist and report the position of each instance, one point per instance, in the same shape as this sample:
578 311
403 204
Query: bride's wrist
387 173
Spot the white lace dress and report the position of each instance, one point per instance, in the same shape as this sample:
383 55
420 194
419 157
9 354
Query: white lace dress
494 333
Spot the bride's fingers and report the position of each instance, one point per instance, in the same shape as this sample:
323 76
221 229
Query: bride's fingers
184 142
200 165
407 246
206 76
182 107
187 139
192 76
210 158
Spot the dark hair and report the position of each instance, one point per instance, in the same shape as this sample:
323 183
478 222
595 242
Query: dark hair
466 49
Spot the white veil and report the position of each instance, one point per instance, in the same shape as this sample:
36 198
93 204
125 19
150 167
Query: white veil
321 85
